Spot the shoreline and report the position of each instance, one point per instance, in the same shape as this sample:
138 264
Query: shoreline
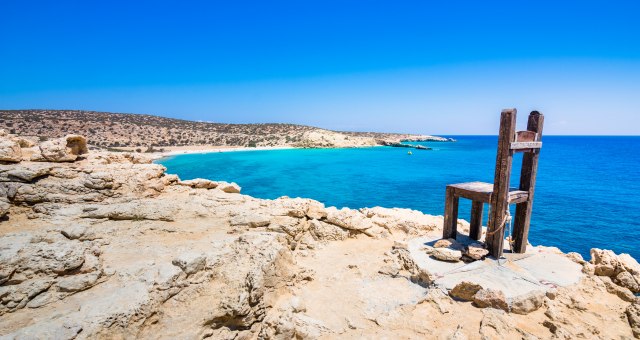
190 150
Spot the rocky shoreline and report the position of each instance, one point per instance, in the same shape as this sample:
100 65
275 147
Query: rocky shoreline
107 245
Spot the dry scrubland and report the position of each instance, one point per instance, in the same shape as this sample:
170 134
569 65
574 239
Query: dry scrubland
107 245
115 130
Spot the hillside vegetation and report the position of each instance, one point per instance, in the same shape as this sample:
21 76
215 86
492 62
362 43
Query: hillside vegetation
105 129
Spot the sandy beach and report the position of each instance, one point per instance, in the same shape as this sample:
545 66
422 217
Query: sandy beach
200 149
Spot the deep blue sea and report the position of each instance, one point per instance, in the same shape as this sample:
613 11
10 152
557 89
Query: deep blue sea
586 193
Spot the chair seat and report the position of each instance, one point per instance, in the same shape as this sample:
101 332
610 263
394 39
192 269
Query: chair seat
481 192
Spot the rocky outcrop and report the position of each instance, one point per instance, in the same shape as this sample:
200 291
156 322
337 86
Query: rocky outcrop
10 150
109 246
38 269
65 149
623 270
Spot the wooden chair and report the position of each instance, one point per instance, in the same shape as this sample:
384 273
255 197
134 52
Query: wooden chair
499 195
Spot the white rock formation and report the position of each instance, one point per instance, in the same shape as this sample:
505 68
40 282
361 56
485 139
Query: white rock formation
106 245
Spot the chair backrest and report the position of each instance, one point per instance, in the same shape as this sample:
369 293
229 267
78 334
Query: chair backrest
509 142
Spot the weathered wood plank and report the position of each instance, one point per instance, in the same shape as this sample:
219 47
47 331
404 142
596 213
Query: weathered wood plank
525 145
526 136
475 191
481 191
500 196
528 175
475 230
449 229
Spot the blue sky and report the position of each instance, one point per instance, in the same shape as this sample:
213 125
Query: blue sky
446 68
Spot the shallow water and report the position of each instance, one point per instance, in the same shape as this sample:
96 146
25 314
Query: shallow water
585 194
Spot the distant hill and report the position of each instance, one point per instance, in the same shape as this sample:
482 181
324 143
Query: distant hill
104 129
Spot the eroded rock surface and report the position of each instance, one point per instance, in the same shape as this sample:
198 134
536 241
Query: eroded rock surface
107 245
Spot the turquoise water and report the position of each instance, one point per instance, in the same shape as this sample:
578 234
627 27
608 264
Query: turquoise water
585 194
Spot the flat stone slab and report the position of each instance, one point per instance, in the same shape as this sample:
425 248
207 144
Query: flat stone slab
540 268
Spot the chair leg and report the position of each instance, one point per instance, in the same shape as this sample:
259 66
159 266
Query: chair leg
449 229
475 230
521 226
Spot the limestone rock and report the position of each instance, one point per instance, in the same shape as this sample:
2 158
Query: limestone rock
465 290
629 264
231 188
446 254
622 292
65 149
135 210
31 264
190 262
495 324
316 211
633 315
74 232
576 257
445 243
527 303
252 220
99 180
605 262
25 174
327 232
76 283
199 183
4 207
458 334
626 280
407 221
348 219
490 298
10 150
476 251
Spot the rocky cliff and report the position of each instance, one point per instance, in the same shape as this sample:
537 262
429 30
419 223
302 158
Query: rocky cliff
107 245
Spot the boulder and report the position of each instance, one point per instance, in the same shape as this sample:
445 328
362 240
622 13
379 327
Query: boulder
65 149
527 303
626 280
199 183
629 264
465 290
448 243
316 211
230 188
605 262
490 298
10 150
476 251
446 254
